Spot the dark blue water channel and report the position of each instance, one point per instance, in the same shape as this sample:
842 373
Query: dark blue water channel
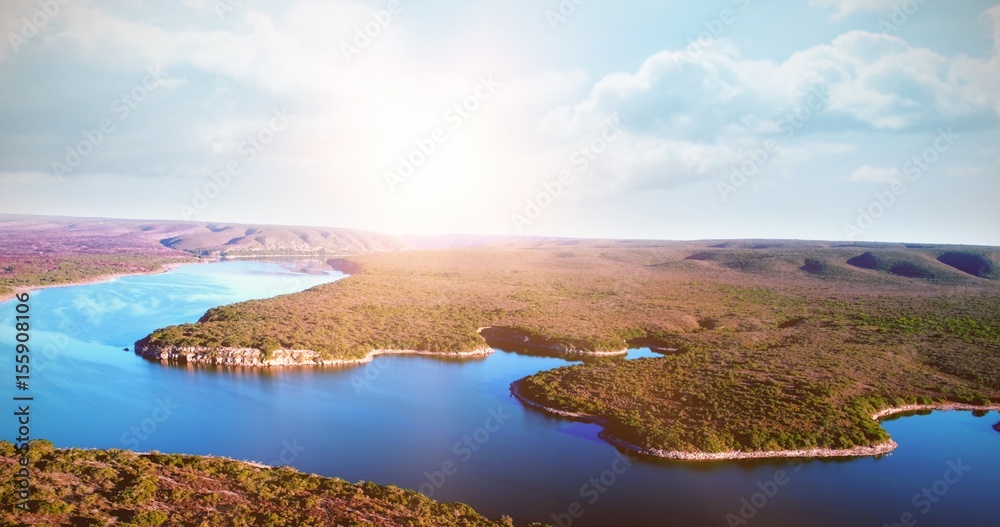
448 428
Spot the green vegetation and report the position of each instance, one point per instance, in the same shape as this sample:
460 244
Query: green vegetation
20 272
44 251
437 301
39 251
772 356
116 487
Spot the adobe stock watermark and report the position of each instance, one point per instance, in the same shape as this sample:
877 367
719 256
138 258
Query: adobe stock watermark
454 117
758 158
53 346
287 284
32 26
562 12
248 149
714 29
766 491
289 453
463 451
135 435
224 7
121 109
901 14
914 169
581 159
371 373
592 490
366 33
925 500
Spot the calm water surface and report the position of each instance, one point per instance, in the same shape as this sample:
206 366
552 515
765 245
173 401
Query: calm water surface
447 428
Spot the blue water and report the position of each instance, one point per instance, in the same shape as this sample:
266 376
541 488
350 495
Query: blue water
447 428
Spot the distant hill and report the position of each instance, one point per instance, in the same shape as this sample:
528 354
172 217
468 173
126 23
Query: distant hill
44 250
237 240
57 235
48 250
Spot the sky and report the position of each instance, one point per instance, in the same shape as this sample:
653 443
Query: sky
865 120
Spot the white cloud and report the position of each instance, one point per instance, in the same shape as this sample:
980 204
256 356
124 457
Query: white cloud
869 174
24 24
722 104
685 119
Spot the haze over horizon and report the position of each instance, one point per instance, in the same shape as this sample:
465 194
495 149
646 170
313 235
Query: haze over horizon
655 120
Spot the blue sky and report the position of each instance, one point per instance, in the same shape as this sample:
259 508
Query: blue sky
815 119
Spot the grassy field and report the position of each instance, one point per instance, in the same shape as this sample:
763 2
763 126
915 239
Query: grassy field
115 487
781 345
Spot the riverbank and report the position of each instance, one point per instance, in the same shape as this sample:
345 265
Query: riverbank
96 279
523 341
862 451
513 340
909 408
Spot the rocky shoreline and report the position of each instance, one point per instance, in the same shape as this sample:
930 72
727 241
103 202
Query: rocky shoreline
862 451
505 338
97 279
905 409
254 358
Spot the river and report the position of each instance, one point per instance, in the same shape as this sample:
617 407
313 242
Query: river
448 428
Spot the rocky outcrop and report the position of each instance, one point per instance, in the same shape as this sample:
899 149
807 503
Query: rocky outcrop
225 356
252 357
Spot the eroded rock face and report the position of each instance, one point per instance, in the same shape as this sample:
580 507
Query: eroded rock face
252 357
225 356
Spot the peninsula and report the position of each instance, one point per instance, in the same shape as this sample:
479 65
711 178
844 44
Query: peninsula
770 348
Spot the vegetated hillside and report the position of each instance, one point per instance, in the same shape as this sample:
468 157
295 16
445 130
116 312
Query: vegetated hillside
235 240
117 487
981 264
772 354
861 263
40 250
